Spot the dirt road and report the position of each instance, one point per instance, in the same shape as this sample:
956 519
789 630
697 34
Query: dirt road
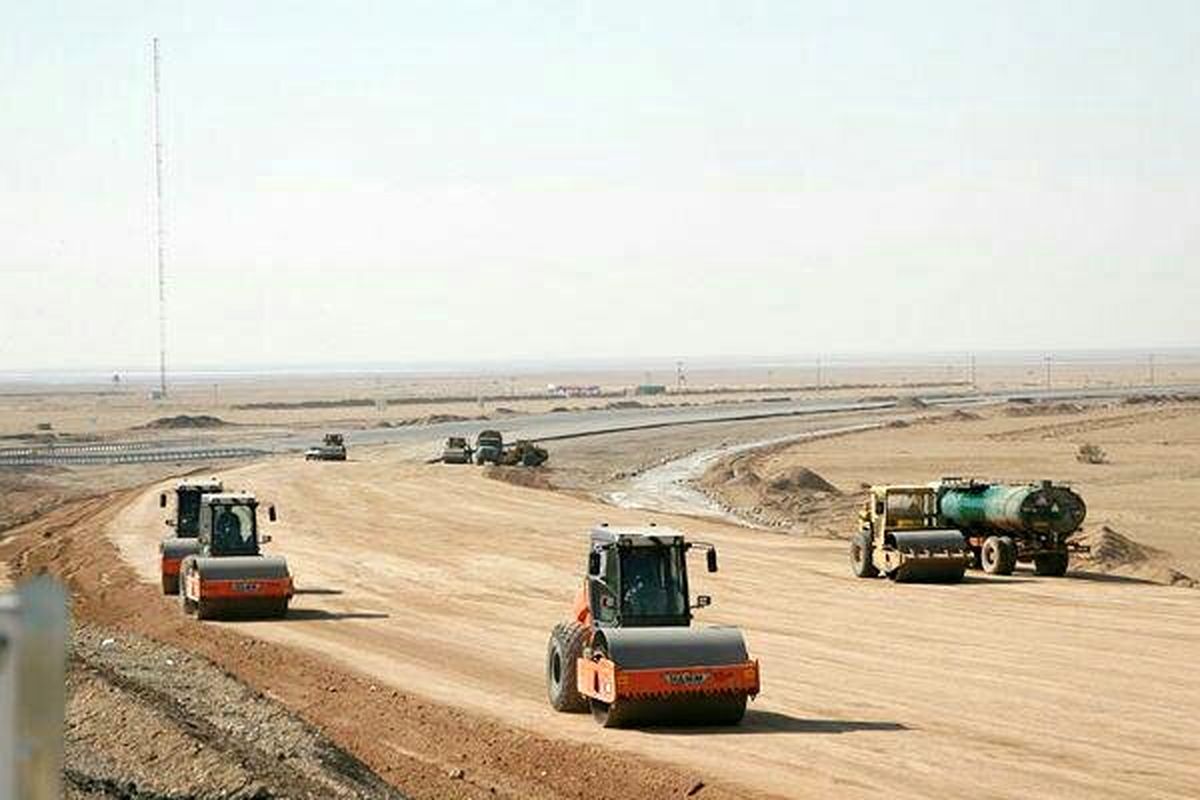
436 581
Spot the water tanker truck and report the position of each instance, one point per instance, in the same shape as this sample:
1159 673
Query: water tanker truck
1006 523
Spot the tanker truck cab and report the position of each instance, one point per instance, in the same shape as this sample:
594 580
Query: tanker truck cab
629 652
901 536
183 541
229 573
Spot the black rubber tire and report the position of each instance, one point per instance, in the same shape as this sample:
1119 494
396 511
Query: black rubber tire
1051 564
170 584
186 604
1009 551
994 556
565 646
205 609
862 555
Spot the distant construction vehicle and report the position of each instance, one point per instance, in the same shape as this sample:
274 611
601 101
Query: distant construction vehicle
457 451
933 532
230 575
524 453
333 448
1005 523
184 540
489 447
902 536
628 652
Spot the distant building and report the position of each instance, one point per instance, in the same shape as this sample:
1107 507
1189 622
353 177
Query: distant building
573 391
651 388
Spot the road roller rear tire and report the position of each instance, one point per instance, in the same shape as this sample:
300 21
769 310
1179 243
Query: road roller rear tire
562 651
1051 564
170 584
862 555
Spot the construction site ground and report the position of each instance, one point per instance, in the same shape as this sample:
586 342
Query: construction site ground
417 641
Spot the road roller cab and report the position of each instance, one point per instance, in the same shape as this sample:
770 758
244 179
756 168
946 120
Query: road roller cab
629 653
901 536
183 541
229 574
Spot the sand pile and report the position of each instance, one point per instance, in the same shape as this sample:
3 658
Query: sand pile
184 422
745 484
800 479
1113 552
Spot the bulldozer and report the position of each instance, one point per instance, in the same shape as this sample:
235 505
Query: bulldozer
332 448
524 453
629 653
183 540
230 576
901 535
489 447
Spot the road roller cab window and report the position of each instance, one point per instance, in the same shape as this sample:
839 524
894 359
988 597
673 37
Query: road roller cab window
188 514
233 530
652 586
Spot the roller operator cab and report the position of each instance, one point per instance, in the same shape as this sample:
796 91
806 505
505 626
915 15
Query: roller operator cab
629 652
230 575
183 541
901 536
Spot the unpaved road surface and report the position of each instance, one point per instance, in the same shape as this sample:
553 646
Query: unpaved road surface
438 583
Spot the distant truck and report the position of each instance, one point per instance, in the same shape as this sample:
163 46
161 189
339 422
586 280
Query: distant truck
333 448
489 447
457 451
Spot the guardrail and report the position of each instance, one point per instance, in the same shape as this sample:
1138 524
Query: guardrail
120 454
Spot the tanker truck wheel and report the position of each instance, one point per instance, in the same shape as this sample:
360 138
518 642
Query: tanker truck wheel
1052 564
1010 555
565 646
862 555
998 556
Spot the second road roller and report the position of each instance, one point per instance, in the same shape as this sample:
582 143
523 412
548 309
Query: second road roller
628 652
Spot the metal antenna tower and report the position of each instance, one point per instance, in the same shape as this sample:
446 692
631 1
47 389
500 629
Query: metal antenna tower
158 214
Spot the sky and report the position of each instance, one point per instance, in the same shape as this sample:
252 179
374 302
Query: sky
413 182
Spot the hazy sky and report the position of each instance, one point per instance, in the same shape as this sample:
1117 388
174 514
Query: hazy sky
409 182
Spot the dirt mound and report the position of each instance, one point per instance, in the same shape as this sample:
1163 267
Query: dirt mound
745 485
520 476
1113 552
800 479
184 422
961 415
911 402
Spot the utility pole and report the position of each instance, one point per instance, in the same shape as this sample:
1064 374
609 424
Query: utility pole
1150 365
158 213
1049 360
680 377
974 385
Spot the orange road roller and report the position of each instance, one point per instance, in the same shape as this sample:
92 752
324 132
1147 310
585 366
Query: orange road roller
230 576
629 653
